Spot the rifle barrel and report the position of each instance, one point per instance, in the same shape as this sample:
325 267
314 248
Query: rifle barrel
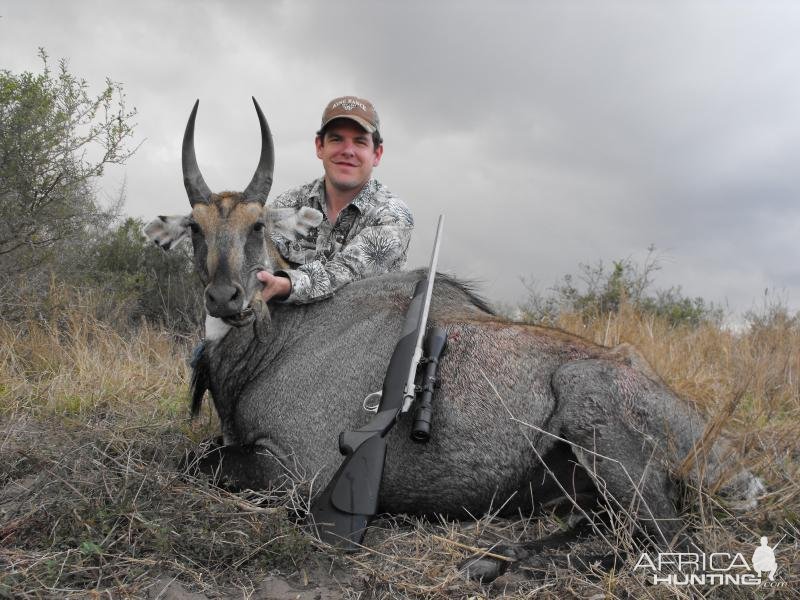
410 391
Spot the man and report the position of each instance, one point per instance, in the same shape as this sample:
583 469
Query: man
365 229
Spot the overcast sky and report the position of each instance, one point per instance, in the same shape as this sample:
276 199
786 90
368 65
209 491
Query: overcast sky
548 133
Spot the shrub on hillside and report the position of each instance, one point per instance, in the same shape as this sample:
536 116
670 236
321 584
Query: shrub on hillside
598 291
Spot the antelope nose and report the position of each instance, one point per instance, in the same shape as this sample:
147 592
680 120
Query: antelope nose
223 300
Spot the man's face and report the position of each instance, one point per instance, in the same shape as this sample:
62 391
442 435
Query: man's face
348 155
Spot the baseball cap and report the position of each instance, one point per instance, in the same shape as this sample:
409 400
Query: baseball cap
356 109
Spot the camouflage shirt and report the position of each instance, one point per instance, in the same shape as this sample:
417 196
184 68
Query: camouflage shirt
370 237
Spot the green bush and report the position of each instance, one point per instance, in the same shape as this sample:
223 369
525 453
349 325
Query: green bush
599 290
55 141
161 286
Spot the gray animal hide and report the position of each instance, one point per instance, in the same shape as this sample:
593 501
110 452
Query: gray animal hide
503 385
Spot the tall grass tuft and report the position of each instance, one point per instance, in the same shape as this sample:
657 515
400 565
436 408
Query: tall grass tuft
69 360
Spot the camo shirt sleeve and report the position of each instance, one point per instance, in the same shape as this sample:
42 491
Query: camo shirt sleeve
370 237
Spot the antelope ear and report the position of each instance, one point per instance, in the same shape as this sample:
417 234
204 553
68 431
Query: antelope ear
167 232
290 222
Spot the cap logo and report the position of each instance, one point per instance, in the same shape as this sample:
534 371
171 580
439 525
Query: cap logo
349 104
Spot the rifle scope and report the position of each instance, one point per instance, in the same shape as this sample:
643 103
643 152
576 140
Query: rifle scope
432 348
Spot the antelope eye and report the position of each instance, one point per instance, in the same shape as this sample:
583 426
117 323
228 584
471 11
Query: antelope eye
194 227
258 226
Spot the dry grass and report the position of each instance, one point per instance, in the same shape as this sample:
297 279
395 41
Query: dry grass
92 502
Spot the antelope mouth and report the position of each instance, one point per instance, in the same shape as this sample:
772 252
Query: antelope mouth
240 319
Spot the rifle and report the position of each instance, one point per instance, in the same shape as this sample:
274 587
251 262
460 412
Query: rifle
346 506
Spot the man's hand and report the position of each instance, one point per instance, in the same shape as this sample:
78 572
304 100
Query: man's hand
275 286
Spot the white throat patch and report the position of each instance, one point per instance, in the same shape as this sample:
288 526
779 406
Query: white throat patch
215 328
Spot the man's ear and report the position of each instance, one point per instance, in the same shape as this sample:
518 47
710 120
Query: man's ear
167 232
318 142
290 222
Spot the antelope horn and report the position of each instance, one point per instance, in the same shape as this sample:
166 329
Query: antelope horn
258 188
196 187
